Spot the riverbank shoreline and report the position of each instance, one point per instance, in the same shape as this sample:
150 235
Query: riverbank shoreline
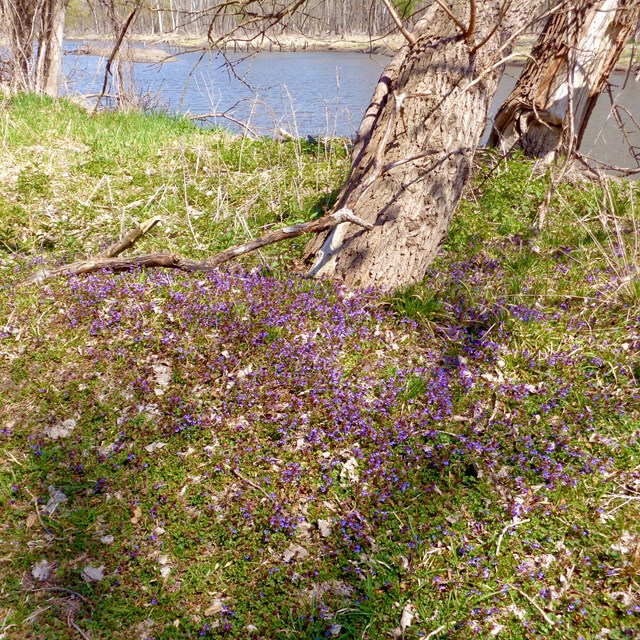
148 47
285 43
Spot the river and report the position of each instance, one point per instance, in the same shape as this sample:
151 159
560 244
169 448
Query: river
310 93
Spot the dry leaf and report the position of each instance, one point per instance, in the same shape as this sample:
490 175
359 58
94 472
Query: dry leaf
57 497
93 574
137 514
41 570
294 552
62 431
216 607
324 526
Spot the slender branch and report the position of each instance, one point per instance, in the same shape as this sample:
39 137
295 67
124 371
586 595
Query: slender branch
459 24
548 620
472 22
409 37
252 484
225 115
114 53
169 261
496 26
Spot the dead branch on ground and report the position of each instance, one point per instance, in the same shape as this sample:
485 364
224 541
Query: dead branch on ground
170 261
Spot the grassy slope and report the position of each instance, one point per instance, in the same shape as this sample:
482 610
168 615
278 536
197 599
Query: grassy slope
253 454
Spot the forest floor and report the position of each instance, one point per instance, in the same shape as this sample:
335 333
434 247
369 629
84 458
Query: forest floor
251 454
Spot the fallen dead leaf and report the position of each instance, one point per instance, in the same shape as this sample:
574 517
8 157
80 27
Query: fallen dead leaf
63 430
93 574
216 607
324 526
57 497
294 552
41 570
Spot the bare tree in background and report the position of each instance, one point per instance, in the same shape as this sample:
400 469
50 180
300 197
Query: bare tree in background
35 31
547 112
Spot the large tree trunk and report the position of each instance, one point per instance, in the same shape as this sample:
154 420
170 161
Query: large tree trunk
28 22
20 18
547 112
415 145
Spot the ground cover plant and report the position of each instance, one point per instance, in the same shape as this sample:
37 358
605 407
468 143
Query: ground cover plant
251 454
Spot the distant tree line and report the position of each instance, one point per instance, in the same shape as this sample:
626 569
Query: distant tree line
336 18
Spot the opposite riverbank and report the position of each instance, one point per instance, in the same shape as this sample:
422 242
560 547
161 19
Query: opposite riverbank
150 48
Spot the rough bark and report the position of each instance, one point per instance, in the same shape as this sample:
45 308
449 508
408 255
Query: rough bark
547 112
49 63
29 22
20 17
415 145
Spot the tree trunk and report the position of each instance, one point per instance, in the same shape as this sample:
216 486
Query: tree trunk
547 112
415 145
20 20
50 39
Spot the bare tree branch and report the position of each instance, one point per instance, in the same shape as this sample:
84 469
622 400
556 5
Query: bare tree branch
129 239
169 261
459 24
410 38
472 22
114 53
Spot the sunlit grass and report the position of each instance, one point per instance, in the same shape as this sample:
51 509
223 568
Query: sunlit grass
249 453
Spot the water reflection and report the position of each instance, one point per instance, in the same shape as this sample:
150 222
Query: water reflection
313 93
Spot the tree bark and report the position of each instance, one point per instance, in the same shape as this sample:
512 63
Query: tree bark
49 63
20 18
28 22
547 112
416 142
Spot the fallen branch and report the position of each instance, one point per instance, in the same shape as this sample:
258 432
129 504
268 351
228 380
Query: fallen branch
170 261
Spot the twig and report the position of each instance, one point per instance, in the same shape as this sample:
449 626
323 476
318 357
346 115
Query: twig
69 591
129 239
253 484
409 37
459 24
533 602
491 33
472 23
72 624
509 526
225 115
435 632
171 261
585 159
35 503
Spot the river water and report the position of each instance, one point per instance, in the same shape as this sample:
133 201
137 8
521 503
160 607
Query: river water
311 93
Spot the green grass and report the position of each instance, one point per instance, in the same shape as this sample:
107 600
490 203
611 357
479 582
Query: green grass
493 410
74 182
